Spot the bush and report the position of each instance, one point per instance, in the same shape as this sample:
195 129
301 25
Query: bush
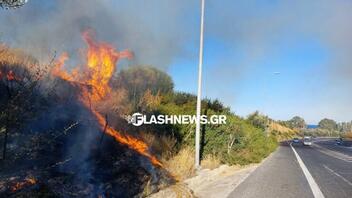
138 80
181 166
210 162
348 135
238 142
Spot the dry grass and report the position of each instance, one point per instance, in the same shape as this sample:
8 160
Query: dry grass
348 135
147 190
160 145
281 132
210 162
24 66
117 103
278 127
10 56
181 166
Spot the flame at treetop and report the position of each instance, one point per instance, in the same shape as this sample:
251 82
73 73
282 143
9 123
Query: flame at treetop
101 60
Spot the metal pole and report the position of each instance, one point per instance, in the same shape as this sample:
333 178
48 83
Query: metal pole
197 157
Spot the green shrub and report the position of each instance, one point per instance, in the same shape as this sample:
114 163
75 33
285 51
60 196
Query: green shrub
239 141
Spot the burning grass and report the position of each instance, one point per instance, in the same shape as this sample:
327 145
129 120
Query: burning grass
29 181
64 143
101 60
72 137
16 57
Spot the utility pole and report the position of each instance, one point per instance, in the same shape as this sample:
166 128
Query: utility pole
199 100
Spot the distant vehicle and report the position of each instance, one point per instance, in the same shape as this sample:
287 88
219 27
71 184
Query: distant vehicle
307 141
339 141
295 140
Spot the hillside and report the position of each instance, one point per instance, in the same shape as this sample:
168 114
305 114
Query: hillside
282 132
66 131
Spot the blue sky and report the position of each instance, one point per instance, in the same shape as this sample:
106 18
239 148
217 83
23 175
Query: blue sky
246 42
302 54
280 84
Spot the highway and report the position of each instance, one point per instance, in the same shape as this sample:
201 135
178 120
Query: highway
293 170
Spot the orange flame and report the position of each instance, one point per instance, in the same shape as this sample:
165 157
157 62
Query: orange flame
101 59
58 69
11 76
25 183
133 143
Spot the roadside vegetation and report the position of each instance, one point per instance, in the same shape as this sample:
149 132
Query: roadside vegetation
347 135
149 91
144 89
28 90
330 128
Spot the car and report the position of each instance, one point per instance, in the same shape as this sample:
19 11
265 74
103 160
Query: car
307 141
295 140
339 141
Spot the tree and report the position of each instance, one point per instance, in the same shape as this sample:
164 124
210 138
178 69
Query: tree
149 102
12 3
344 127
258 120
328 124
297 122
20 76
217 106
138 80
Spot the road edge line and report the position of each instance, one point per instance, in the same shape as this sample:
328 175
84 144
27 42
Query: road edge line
338 175
332 153
313 185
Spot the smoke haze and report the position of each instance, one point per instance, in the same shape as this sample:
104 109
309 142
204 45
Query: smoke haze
160 32
155 31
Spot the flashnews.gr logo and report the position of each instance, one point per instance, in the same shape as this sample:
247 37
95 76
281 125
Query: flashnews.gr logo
138 119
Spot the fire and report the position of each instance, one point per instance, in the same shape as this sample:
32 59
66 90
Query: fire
135 144
11 76
58 69
101 60
25 183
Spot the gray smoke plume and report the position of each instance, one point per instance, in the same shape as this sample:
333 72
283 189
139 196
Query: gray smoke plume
160 31
156 31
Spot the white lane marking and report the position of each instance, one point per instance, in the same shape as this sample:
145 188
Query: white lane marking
313 185
338 175
335 154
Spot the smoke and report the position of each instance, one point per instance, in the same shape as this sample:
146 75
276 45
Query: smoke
156 31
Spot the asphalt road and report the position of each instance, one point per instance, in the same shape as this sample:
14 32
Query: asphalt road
323 170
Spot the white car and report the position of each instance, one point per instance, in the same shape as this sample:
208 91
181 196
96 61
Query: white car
307 141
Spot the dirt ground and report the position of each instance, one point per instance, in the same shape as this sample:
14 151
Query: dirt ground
216 183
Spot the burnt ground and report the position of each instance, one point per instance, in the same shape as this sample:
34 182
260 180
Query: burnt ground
62 153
